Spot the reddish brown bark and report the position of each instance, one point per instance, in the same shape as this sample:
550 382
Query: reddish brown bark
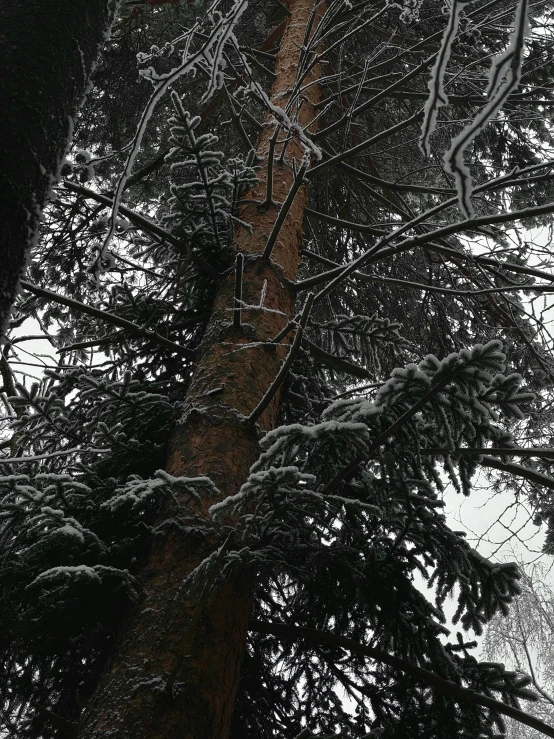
198 648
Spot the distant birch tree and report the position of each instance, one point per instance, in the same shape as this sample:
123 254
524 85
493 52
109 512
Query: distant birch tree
524 641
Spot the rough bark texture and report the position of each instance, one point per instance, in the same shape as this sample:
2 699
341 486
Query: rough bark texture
199 647
47 51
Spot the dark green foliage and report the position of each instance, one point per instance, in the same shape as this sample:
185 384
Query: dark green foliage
371 557
370 543
358 338
68 547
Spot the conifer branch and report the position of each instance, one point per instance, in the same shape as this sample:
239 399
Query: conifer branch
459 693
515 469
501 183
364 277
451 254
473 224
347 471
508 180
390 200
342 223
490 262
378 252
398 85
114 339
147 225
474 100
108 318
333 160
337 363
380 96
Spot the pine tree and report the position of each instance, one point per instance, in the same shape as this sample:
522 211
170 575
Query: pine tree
295 301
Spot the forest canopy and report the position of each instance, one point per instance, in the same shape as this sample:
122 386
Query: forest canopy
294 281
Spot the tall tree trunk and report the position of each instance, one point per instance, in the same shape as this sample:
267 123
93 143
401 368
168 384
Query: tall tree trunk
47 51
196 645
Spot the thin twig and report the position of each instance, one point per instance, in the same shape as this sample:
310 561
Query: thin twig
108 318
278 381
238 290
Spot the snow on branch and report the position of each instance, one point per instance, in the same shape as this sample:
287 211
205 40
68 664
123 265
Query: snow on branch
437 94
504 78
211 51
221 35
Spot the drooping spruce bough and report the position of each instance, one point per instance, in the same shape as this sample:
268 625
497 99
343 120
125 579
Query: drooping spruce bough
279 329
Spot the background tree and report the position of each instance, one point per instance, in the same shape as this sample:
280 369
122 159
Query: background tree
269 272
523 640
46 74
